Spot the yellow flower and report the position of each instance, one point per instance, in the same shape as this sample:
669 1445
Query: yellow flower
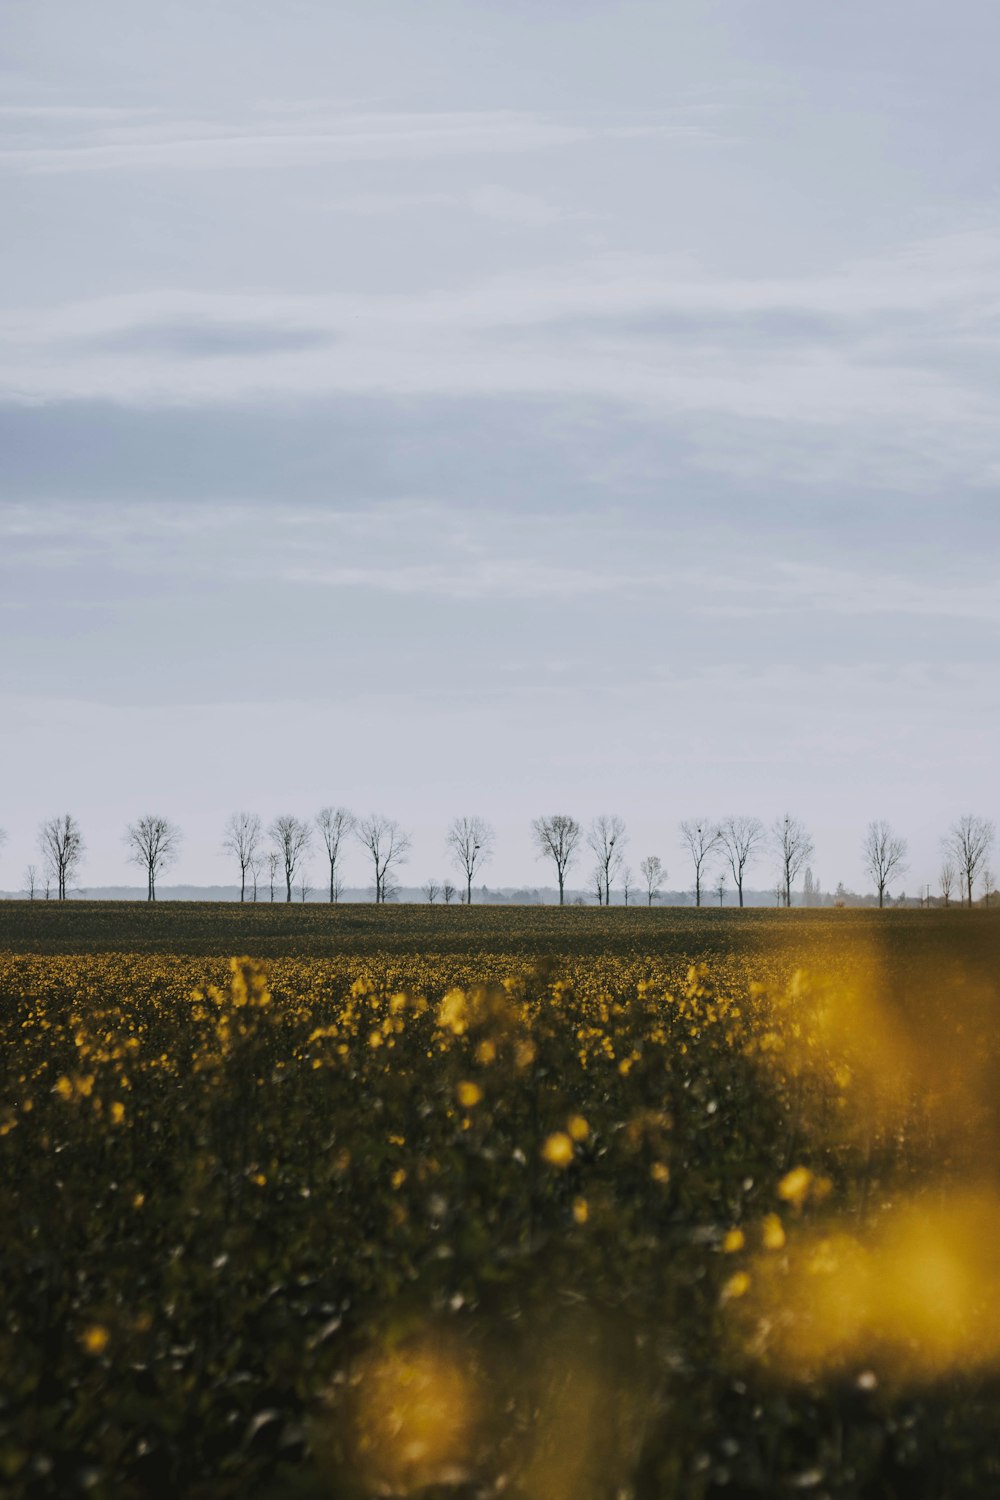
735 1240
63 1088
524 1054
95 1338
453 1012
558 1149
577 1128
117 1112
773 1233
581 1211
737 1286
469 1094
794 1186
660 1172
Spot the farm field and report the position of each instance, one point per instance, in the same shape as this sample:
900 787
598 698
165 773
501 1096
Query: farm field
560 1204
317 930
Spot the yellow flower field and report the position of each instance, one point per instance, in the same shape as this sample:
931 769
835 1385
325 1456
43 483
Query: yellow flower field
392 1224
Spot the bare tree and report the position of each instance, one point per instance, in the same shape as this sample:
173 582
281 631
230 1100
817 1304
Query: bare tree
885 854
597 879
989 885
448 892
335 825
701 839
432 891
388 846
62 846
793 846
305 889
31 880
470 841
154 843
273 866
607 838
626 882
292 839
720 889
968 844
652 873
241 838
556 838
255 868
741 839
946 880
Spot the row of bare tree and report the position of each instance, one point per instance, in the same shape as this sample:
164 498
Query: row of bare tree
279 851
469 841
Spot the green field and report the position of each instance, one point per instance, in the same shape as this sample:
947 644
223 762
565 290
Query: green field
560 1204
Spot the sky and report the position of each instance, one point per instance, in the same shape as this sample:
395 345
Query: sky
499 409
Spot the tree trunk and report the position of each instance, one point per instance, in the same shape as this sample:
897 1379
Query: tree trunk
243 882
468 890
288 886
560 887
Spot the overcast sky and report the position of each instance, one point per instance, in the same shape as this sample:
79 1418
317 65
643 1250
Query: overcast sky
501 408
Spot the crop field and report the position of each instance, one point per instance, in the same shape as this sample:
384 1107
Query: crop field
554 1204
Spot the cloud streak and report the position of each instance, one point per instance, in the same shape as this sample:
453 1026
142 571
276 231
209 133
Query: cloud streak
420 550
115 142
889 357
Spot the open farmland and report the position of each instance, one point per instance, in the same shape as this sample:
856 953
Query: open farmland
316 930
567 1204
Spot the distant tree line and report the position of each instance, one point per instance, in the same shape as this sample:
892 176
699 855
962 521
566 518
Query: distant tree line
275 856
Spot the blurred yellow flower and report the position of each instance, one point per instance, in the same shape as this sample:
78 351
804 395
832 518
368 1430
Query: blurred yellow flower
737 1286
558 1149
773 1233
95 1338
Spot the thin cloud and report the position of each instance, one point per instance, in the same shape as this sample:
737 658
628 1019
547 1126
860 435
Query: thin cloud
879 371
512 578
200 145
